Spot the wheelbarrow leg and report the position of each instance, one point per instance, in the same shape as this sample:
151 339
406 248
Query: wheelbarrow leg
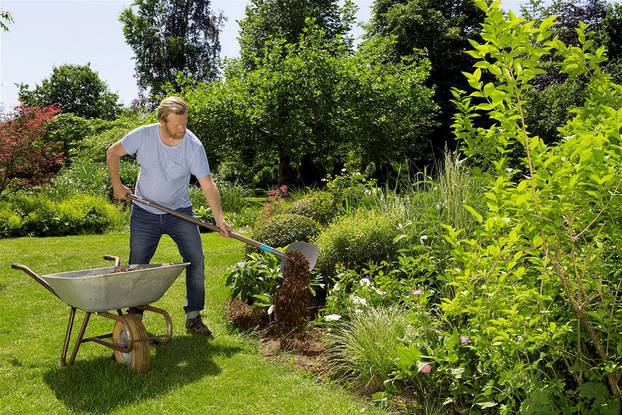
63 355
85 322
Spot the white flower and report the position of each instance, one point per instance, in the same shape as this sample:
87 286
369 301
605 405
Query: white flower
358 300
336 287
332 317
379 292
423 239
365 282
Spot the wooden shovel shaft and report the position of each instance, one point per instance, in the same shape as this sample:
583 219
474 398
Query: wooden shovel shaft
234 235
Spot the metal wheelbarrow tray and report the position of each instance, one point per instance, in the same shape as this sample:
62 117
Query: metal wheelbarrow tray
99 290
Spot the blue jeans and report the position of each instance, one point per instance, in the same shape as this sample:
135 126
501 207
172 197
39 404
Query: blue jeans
146 228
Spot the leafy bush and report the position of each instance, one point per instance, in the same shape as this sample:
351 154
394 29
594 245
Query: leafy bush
41 216
233 196
258 274
281 230
350 190
266 177
538 285
231 172
68 129
87 177
105 133
10 223
355 240
364 350
317 206
405 282
204 214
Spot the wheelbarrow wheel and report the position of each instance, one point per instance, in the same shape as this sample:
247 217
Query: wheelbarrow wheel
138 357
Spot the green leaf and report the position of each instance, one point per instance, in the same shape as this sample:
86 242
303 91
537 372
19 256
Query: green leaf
474 213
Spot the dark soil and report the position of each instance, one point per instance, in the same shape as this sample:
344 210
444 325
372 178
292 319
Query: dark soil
286 341
305 351
245 316
293 302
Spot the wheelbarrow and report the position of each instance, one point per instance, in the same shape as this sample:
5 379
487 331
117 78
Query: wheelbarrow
99 290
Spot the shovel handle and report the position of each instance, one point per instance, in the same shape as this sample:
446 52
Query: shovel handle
249 241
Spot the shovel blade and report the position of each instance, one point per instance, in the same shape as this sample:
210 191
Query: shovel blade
309 251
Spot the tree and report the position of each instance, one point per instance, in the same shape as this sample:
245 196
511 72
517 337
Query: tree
26 158
309 106
5 18
285 19
442 28
73 88
553 93
172 38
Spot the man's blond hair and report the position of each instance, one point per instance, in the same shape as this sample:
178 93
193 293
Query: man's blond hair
171 105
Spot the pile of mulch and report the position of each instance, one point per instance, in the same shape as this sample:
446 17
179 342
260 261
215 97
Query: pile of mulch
244 316
305 350
293 302
287 340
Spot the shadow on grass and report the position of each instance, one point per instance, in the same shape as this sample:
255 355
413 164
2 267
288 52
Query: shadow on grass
100 385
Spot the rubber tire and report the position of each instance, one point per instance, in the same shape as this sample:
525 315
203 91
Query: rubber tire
138 358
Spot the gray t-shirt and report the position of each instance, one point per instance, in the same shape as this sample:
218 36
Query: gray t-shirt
165 170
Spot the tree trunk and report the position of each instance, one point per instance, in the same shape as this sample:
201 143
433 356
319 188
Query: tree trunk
285 168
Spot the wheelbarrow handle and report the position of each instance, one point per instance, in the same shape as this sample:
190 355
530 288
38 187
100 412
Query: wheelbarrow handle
116 259
188 218
34 276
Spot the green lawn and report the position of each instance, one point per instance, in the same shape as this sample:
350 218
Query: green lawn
190 375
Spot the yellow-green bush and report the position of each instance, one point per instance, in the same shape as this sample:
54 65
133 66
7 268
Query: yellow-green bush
38 215
355 240
317 206
281 230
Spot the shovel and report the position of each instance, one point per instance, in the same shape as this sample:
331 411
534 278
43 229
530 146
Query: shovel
309 251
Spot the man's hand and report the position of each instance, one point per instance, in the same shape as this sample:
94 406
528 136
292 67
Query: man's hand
120 192
224 228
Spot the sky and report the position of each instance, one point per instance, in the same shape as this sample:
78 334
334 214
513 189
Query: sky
49 33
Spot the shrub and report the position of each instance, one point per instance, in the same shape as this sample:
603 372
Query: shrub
538 286
231 172
10 223
233 196
105 133
355 240
68 129
259 274
281 230
364 350
351 190
317 206
266 177
41 216
86 177
204 214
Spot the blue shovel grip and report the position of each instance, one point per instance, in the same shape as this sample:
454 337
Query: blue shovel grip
266 248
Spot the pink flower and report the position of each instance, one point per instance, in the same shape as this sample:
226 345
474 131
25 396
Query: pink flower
426 369
416 292
465 340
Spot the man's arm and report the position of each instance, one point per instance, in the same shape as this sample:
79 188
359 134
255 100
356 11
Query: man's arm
113 157
210 191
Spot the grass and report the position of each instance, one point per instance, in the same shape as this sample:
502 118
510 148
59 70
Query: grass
190 375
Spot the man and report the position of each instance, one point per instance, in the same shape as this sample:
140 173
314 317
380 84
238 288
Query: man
168 153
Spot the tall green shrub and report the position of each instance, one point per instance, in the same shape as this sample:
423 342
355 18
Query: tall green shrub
538 288
355 240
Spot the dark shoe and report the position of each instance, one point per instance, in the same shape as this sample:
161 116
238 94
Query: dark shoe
196 326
